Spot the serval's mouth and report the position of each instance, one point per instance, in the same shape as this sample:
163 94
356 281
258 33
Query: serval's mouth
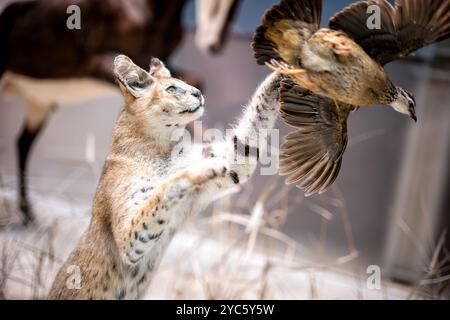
193 109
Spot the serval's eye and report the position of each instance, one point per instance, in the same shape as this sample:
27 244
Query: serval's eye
171 90
174 90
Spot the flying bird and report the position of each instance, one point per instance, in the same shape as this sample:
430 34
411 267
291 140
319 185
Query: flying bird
333 71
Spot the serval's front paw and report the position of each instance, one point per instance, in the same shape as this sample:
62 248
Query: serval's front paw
219 168
210 169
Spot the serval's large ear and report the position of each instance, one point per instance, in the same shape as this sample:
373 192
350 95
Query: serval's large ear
132 79
158 69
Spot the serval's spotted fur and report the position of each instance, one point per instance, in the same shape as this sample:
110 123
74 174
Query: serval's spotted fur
148 188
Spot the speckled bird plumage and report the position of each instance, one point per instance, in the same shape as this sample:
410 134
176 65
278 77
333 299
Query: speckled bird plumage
335 70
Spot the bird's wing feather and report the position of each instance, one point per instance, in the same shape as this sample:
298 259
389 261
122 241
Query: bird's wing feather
405 28
312 155
284 29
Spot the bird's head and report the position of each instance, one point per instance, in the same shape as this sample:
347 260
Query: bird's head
405 103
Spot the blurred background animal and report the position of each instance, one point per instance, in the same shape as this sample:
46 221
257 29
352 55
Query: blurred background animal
37 44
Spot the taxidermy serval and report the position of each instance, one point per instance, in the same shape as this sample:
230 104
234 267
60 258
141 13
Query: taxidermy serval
150 185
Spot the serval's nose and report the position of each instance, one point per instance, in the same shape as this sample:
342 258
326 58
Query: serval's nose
197 93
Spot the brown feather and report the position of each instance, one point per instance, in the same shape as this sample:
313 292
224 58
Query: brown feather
405 28
284 29
312 154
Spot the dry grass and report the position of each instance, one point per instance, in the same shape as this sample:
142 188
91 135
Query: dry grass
235 252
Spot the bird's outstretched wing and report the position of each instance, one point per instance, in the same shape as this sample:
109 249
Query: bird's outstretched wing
312 155
405 28
284 29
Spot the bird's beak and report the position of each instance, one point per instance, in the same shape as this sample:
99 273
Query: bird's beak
413 114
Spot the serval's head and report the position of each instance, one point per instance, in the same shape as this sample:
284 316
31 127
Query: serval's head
155 96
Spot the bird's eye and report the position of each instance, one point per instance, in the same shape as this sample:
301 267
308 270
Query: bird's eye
174 90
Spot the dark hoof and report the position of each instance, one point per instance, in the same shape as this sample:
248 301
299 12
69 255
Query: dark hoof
27 213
